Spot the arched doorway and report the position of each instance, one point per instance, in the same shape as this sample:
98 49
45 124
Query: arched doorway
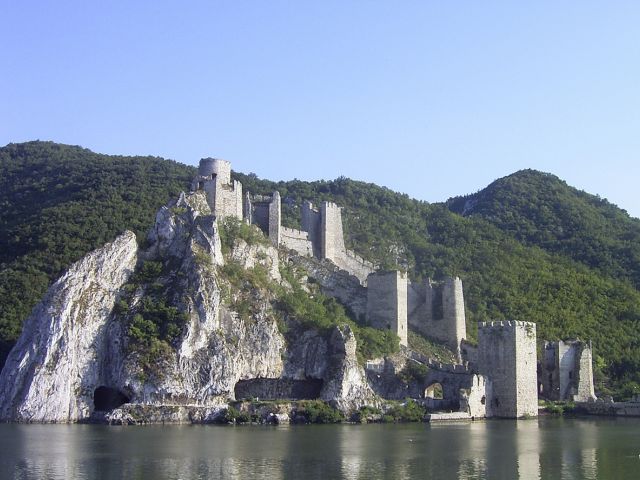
434 391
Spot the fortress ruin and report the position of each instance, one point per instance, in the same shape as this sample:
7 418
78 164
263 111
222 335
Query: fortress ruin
498 377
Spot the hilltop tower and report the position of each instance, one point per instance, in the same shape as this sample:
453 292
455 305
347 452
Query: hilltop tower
387 302
507 355
224 196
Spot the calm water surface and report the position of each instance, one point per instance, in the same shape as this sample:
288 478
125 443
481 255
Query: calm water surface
533 449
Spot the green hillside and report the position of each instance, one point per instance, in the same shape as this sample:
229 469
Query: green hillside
58 202
540 209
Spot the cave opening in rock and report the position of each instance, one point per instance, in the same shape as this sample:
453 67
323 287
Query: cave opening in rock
106 399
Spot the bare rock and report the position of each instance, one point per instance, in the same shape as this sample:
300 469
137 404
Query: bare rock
52 371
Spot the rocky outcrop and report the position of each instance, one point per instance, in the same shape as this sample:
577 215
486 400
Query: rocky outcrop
250 256
346 385
76 359
218 347
51 373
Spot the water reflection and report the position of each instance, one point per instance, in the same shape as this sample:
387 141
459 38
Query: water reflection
536 449
528 449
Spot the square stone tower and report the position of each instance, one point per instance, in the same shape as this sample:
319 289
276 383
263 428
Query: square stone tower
507 355
387 302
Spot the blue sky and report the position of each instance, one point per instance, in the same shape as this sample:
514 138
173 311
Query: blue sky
434 99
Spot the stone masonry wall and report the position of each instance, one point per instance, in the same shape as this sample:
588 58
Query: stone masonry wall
507 355
332 243
584 375
354 264
437 310
567 372
275 219
311 223
332 236
296 240
387 302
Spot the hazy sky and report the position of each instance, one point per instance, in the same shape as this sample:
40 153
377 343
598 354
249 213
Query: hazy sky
434 99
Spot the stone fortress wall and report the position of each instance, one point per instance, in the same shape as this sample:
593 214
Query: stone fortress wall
321 236
502 368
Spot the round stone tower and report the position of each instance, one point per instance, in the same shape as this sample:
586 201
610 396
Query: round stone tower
206 167
215 167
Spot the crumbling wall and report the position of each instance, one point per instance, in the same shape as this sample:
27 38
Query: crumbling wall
437 311
476 398
567 372
311 223
584 376
507 355
336 283
462 389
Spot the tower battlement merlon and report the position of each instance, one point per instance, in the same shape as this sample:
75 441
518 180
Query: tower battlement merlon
506 324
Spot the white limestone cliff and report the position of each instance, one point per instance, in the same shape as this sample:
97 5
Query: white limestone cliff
75 342
50 374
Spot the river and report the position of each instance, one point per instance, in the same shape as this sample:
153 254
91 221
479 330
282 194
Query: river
547 448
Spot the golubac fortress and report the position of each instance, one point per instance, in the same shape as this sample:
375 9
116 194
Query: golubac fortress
500 376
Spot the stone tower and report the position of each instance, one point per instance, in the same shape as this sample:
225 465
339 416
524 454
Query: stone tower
437 310
387 302
275 218
332 236
445 318
507 355
567 371
224 196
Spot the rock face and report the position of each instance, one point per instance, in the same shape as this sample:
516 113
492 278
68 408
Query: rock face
51 373
75 357
346 386
217 347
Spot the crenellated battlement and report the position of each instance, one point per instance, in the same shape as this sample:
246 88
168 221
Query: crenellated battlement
506 324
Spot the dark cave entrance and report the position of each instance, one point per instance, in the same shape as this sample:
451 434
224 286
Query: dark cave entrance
106 399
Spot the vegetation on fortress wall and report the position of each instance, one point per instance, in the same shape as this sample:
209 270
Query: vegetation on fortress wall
528 247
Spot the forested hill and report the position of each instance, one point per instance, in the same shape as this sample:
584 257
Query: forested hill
59 202
540 209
